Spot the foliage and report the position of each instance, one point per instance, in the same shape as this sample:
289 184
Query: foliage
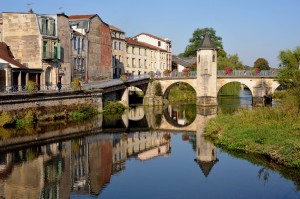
228 71
183 94
195 41
26 121
193 68
289 74
75 84
5 118
231 61
261 64
30 86
158 89
114 108
279 95
123 78
166 72
273 132
84 113
232 89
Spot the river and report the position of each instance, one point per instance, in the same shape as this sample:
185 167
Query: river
147 153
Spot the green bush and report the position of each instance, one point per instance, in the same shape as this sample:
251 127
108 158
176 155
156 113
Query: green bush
75 84
114 108
30 86
158 89
5 118
85 112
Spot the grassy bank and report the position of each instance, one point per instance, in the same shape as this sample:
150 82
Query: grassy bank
272 132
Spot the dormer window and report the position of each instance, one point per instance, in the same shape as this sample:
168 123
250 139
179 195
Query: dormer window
159 43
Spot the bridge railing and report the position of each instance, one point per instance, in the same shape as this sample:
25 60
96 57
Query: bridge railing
178 74
247 73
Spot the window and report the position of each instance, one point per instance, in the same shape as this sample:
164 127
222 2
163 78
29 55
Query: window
115 45
159 43
74 43
75 64
82 44
120 46
213 58
116 60
113 60
133 50
78 45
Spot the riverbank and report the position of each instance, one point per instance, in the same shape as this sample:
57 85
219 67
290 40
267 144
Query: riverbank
271 132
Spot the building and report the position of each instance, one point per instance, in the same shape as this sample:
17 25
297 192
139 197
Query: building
119 51
13 75
39 42
98 46
179 64
79 56
164 58
142 58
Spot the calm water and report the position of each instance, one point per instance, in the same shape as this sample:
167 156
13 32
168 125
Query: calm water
147 153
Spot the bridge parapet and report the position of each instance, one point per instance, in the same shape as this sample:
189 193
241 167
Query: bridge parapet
221 73
247 73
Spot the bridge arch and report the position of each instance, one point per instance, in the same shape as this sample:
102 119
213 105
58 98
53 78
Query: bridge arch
247 82
168 84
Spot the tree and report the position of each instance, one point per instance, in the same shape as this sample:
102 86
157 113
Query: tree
289 73
261 64
195 41
230 61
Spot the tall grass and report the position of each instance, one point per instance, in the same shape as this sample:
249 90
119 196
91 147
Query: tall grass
274 132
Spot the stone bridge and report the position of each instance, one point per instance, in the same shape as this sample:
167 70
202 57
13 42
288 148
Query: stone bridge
207 81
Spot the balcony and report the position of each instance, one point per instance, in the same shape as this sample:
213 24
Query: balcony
48 55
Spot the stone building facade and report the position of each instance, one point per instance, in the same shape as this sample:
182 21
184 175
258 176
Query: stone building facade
164 56
119 51
142 58
40 42
98 45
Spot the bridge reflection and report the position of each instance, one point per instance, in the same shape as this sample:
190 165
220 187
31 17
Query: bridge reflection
83 165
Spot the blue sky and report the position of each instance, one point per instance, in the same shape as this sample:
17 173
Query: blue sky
250 28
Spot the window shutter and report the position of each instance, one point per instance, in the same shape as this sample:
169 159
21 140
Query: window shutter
58 51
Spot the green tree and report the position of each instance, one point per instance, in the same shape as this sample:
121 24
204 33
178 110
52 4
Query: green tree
261 64
289 74
195 41
230 61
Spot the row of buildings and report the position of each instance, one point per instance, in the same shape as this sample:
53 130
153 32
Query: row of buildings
52 48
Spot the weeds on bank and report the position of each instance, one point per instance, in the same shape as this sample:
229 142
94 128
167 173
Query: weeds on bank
273 132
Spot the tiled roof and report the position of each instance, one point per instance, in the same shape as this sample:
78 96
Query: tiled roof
153 36
142 44
7 55
81 16
180 61
115 28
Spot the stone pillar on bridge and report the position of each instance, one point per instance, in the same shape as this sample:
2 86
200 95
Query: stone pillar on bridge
207 73
262 94
125 97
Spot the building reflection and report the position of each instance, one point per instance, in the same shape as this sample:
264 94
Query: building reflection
83 166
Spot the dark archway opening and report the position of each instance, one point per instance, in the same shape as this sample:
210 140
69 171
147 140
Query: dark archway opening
180 93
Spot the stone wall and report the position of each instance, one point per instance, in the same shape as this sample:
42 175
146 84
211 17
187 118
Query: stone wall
50 105
106 51
21 33
64 33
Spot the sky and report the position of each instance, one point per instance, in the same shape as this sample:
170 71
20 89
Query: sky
251 28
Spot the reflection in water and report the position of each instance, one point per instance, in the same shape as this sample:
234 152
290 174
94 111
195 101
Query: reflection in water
230 104
180 115
96 164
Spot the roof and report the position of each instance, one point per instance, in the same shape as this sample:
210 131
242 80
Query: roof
6 55
206 43
180 61
153 36
142 44
206 166
115 28
89 16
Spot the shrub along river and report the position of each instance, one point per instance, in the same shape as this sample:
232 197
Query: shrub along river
147 153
